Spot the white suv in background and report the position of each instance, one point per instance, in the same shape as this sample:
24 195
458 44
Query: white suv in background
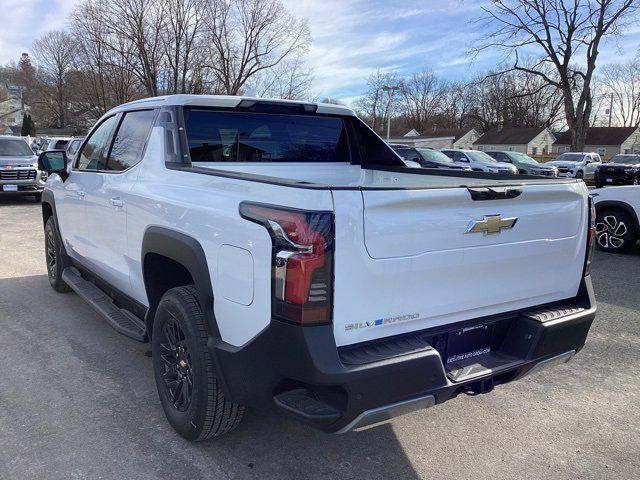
576 164
479 161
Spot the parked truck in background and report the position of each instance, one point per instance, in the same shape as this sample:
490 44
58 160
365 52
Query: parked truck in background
279 255
19 173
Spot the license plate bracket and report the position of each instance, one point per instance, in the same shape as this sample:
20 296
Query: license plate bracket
468 342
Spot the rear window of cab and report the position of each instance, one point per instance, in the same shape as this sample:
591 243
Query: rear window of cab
221 136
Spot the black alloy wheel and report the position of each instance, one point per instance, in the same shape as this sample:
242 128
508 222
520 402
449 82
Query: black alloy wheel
53 257
188 387
176 358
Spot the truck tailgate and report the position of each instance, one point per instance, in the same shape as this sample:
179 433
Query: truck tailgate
407 263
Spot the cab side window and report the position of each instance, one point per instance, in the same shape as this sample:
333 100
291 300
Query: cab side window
93 155
412 155
459 157
130 140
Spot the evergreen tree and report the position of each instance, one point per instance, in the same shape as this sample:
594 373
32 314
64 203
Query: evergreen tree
26 125
32 127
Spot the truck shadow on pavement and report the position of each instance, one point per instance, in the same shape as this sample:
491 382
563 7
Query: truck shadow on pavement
86 396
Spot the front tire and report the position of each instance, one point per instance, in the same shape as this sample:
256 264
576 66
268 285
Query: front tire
186 380
636 180
615 232
54 257
580 174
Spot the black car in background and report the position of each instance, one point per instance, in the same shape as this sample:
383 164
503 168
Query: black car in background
428 158
524 163
623 169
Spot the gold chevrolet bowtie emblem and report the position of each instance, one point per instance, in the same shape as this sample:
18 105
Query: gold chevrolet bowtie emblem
491 224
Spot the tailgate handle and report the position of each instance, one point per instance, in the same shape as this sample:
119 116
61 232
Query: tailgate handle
494 193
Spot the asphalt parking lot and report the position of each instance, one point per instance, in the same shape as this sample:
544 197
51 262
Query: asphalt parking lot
77 400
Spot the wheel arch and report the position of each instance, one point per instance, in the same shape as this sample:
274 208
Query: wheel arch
616 204
170 259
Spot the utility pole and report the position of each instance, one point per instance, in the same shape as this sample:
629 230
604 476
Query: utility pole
610 108
390 89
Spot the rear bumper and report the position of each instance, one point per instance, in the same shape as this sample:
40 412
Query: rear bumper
352 394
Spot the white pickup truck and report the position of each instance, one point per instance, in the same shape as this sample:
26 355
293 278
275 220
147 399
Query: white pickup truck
279 255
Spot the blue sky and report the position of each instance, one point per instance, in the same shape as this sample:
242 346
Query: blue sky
351 38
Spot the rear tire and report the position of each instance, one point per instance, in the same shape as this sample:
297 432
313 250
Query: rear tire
636 180
186 380
53 253
615 231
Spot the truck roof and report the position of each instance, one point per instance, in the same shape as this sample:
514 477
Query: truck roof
228 101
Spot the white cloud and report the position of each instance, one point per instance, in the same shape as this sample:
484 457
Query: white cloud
26 20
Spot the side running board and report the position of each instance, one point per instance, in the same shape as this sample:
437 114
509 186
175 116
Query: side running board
123 321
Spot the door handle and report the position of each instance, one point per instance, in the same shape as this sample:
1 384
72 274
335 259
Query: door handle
117 202
81 193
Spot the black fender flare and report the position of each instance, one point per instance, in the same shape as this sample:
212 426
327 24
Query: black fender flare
609 204
188 252
49 200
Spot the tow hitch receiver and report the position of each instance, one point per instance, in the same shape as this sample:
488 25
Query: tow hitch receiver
482 386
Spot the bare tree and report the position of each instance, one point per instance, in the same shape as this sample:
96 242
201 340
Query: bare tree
568 35
182 44
620 89
421 98
291 79
249 36
103 59
373 106
138 25
457 103
55 54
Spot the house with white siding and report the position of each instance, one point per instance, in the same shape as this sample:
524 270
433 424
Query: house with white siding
529 140
607 141
462 138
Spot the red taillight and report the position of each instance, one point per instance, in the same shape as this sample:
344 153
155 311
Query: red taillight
591 233
302 260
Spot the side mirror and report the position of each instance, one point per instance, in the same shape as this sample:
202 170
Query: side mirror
54 161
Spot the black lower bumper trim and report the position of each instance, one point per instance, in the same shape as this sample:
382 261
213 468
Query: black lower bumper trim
286 358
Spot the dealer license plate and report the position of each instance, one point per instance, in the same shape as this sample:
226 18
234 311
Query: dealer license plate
468 342
9 188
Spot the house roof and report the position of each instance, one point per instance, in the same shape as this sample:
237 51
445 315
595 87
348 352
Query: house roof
456 133
509 136
55 132
601 136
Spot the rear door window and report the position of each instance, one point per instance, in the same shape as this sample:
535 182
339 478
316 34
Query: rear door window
218 136
130 140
